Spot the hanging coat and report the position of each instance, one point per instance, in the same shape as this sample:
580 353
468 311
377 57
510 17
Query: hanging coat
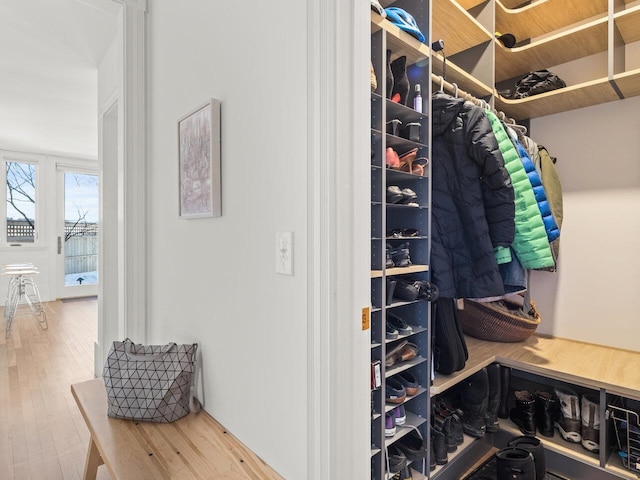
530 244
472 201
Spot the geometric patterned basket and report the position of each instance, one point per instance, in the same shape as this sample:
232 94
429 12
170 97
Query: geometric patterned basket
153 383
498 321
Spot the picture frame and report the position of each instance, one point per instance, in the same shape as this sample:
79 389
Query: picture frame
199 182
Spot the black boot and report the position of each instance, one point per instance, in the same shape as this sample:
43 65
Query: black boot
400 79
474 393
389 75
524 413
445 425
515 464
505 385
439 447
491 418
546 409
532 445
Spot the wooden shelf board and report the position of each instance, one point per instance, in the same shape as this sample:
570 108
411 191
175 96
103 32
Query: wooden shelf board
376 273
469 4
460 77
399 41
556 358
544 16
582 41
459 30
561 100
628 83
406 270
628 23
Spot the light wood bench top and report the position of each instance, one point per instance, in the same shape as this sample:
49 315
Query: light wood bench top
594 366
196 446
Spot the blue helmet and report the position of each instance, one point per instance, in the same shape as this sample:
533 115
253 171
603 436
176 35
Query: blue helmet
405 21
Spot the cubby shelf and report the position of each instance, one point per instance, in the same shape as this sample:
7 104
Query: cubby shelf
402 366
401 430
628 24
389 407
561 47
541 17
400 42
628 82
575 96
459 30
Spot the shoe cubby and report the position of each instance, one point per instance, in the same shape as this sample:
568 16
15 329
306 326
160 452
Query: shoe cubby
400 249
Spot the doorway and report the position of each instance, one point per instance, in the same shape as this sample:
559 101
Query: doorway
78 232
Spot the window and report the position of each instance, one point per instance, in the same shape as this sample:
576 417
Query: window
21 188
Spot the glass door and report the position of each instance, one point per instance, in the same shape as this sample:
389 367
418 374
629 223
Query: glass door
79 233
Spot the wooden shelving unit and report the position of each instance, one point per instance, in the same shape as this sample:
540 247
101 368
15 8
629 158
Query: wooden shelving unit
578 42
400 41
628 24
459 30
541 17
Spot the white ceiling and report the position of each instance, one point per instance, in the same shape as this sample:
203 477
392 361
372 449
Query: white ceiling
48 73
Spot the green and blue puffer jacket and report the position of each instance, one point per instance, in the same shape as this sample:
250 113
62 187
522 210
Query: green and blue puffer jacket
530 244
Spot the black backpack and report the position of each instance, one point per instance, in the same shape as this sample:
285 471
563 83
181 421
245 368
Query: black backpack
534 83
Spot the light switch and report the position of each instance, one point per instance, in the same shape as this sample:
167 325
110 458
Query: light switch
284 253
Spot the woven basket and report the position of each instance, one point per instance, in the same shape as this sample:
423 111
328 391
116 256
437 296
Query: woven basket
497 323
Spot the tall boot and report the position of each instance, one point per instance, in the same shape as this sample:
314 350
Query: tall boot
474 393
389 75
524 413
515 464
491 418
534 446
505 385
400 80
591 423
546 409
569 422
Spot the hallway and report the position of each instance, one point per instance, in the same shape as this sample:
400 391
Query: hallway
42 434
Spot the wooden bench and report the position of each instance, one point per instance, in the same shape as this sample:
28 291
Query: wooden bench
196 446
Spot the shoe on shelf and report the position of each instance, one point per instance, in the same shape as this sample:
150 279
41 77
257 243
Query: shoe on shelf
399 415
399 324
409 197
408 352
591 422
389 263
439 447
445 425
409 382
533 446
546 409
389 424
391 333
394 391
400 256
524 413
397 459
392 159
569 422
515 463
394 194
392 354
413 446
391 288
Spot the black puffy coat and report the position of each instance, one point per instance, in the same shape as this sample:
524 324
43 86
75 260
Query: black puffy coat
472 203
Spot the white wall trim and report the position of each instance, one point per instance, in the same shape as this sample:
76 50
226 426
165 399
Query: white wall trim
339 225
141 5
135 179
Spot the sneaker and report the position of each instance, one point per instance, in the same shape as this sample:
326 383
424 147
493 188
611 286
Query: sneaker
399 415
389 424
399 324
392 332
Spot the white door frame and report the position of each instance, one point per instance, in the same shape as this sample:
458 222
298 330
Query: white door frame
123 290
339 349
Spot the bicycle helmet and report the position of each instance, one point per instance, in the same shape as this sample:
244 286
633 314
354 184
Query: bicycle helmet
376 7
404 21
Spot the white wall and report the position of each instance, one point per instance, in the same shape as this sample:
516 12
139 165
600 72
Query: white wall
595 295
213 281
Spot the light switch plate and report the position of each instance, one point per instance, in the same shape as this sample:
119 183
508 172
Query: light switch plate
284 253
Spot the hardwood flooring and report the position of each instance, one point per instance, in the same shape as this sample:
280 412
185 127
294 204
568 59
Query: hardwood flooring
42 434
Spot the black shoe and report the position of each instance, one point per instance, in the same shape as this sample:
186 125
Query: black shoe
532 445
399 324
474 393
515 464
413 446
546 410
444 425
397 459
391 287
524 413
439 447
491 418
401 257
409 382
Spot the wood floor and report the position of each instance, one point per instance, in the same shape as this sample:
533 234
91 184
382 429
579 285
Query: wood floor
42 434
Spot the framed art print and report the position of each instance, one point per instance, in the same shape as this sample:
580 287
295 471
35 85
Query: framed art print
199 162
